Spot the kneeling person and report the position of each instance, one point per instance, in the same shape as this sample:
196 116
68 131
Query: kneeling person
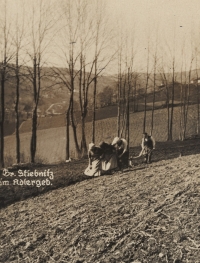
94 155
109 157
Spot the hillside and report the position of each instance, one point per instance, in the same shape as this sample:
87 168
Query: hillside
54 98
54 95
184 76
52 91
148 214
57 118
51 141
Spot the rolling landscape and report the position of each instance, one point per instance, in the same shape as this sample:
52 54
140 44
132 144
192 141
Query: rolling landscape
51 134
147 213
79 72
51 141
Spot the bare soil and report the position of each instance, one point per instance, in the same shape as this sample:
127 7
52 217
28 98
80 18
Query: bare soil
149 213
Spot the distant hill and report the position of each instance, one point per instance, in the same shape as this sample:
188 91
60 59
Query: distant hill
53 92
54 96
59 119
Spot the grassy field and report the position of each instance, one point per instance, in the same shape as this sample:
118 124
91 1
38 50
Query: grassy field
51 142
56 121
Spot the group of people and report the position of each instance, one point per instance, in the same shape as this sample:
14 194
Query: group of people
106 157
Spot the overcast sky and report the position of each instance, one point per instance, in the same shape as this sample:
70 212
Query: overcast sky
168 15
172 22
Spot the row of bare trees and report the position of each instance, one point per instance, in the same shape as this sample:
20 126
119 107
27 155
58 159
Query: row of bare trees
169 75
24 42
83 48
76 34
73 32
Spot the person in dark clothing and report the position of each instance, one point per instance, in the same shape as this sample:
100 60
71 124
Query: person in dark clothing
122 152
94 155
148 145
109 157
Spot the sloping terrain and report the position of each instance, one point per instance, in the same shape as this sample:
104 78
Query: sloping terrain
51 142
150 213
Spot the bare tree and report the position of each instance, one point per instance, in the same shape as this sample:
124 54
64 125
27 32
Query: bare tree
172 99
83 41
148 73
76 34
18 38
135 94
165 82
126 80
87 65
181 98
119 84
187 99
6 58
196 54
102 38
155 65
40 25
169 80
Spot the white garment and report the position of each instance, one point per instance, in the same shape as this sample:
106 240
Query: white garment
94 169
110 164
124 144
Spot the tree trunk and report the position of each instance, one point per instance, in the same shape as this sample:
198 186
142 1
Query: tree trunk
34 135
34 114
17 113
181 113
83 138
171 115
145 109
67 134
2 119
172 103
198 101
128 110
198 97
168 121
124 107
83 101
119 106
134 97
74 130
128 121
186 111
94 110
153 106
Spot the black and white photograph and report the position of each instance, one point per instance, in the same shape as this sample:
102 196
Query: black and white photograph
99 131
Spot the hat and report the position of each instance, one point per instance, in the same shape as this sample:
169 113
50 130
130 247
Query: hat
91 145
116 140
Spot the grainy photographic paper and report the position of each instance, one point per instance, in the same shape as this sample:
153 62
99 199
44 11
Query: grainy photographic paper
99 131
